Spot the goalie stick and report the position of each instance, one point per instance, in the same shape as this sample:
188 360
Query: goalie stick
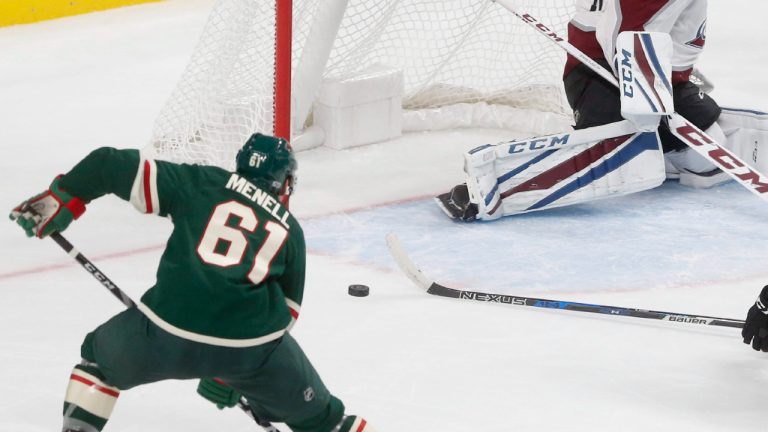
123 297
431 287
683 129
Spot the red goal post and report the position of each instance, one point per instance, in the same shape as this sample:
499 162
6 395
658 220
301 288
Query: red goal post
283 36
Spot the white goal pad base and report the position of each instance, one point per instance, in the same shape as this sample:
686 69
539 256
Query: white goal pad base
361 109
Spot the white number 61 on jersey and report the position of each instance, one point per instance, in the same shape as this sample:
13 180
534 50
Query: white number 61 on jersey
218 230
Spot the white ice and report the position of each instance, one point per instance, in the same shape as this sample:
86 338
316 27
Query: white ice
405 360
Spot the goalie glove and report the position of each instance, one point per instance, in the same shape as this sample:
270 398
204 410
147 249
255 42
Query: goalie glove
47 212
218 392
755 329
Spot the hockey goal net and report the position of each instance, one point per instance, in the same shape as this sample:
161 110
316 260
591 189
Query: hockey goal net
255 56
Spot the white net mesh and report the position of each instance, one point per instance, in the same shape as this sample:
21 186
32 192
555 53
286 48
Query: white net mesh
450 51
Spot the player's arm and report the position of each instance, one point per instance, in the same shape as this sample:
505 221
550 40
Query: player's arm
145 183
105 170
292 280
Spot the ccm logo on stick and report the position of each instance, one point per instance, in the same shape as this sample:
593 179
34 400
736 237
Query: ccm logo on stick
724 159
98 275
541 27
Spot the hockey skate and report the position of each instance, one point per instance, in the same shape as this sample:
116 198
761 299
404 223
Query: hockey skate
456 204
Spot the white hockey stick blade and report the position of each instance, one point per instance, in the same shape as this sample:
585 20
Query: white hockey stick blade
406 265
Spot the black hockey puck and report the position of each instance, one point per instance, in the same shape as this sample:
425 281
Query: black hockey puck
359 290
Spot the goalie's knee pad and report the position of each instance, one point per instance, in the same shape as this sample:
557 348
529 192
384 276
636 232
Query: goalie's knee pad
746 135
89 400
693 169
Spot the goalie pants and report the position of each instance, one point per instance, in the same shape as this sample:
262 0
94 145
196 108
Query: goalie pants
596 102
277 378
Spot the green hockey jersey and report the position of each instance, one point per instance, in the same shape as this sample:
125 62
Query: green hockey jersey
232 273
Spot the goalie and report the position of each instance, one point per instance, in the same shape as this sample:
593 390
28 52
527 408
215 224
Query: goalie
621 143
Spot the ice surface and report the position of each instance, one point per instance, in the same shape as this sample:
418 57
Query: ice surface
405 360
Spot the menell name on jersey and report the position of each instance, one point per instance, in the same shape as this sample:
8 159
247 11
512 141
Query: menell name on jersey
260 197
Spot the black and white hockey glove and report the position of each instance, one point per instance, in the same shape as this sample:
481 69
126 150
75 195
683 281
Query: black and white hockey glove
50 211
755 329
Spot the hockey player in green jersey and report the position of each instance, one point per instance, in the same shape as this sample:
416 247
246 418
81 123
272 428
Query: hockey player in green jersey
229 287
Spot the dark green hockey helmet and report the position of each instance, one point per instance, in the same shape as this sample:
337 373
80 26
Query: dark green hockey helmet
267 160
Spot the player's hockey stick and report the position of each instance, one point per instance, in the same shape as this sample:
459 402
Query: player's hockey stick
434 288
683 129
123 297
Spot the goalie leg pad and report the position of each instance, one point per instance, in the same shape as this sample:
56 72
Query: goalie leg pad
746 134
504 181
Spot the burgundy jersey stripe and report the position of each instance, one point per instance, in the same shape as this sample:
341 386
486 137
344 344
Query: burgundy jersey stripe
586 41
681 76
147 188
641 12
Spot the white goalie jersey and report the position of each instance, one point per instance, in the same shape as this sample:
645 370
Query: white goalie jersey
684 20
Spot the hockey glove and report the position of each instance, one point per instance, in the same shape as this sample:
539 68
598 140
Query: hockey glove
218 392
50 211
755 329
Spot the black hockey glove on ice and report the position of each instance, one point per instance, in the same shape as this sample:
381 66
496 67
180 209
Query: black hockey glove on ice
755 329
